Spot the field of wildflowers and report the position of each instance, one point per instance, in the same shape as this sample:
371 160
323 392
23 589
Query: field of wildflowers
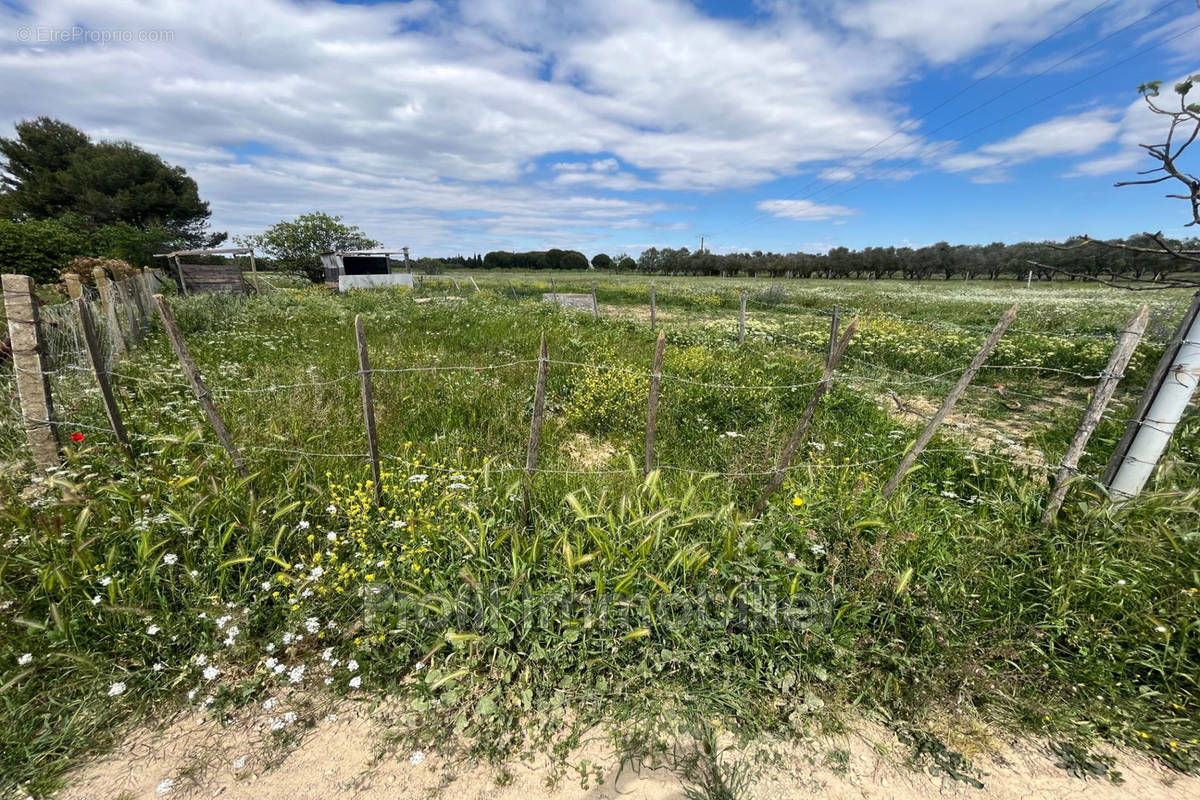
130 591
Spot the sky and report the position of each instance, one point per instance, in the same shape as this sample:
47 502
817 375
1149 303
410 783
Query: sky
615 125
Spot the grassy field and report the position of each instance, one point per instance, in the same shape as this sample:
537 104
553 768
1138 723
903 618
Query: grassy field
129 591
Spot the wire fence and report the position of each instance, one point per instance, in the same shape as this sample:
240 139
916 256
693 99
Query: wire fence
65 351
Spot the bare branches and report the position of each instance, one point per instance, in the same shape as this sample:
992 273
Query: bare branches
1156 284
1185 121
1163 247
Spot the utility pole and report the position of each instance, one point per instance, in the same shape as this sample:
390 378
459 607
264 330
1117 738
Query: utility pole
702 243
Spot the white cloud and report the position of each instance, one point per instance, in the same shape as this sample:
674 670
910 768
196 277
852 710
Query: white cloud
431 125
804 210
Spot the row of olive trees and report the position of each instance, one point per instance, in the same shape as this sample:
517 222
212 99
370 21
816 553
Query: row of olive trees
1138 256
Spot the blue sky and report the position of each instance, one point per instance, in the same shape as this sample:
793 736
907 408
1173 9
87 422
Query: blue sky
612 125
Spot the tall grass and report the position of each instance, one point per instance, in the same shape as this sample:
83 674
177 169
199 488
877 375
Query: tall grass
622 597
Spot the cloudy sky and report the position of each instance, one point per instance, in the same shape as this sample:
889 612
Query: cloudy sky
612 125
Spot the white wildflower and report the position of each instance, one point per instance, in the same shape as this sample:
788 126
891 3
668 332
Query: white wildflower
316 572
165 786
170 558
270 663
287 638
417 757
201 659
25 659
312 625
96 600
417 478
269 703
352 665
302 525
117 688
458 486
296 674
239 762
210 673
356 682
153 629
105 581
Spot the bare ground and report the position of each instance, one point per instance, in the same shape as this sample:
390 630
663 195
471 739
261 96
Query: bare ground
341 752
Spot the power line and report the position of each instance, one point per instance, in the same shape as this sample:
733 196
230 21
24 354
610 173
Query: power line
973 109
1010 115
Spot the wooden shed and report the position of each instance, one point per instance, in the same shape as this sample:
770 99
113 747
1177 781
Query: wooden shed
221 277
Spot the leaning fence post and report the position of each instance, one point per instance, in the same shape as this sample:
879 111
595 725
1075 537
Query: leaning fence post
742 321
947 406
473 283
368 402
203 396
652 401
653 308
1117 362
789 451
833 335
514 291
595 304
115 337
33 384
101 375
535 423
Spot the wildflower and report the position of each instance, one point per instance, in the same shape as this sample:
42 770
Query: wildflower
77 437
201 659
223 621
158 666
331 509
331 717
25 659
355 682
1121 582
417 757
417 478
458 486
117 688
210 673
352 665
1160 628
266 586
302 525
287 638
289 718
270 663
239 762
170 558
312 625
269 703
96 600
105 581
797 501
153 629
331 536
316 572
165 786
296 674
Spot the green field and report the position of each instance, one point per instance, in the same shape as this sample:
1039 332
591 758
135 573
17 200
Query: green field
619 597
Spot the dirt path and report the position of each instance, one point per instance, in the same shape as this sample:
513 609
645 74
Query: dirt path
344 755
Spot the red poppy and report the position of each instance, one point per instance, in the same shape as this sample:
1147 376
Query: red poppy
76 437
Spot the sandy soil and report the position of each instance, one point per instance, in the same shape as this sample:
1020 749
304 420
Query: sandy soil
343 753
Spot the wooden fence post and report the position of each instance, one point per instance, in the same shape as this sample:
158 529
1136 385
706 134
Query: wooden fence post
793 444
368 402
473 283
514 291
74 287
652 401
653 309
130 318
947 406
115 337
595 304
101 375
742 321
833 335
1117 362
203 396
33 385
455 282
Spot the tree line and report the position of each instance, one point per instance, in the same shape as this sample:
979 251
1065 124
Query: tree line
1141 257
